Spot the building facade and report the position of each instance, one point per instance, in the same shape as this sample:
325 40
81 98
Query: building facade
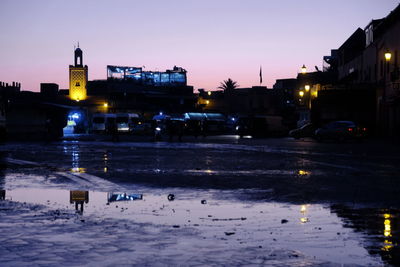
78 77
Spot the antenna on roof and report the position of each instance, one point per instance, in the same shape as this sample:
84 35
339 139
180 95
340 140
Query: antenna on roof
78 44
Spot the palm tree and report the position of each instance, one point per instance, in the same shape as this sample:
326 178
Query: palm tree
228 85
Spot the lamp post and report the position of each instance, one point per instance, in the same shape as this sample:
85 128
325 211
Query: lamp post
303 69
388 56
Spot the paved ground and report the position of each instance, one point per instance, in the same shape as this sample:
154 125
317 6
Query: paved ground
279 202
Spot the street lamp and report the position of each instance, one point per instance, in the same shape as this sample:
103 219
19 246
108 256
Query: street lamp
307 87
105 105
303 69
388 55
301 93
209 93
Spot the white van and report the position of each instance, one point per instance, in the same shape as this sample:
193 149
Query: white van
99 122
110 120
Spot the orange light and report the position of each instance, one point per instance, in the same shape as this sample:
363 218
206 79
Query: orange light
388 55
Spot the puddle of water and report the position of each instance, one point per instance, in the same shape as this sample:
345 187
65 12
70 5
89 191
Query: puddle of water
311 229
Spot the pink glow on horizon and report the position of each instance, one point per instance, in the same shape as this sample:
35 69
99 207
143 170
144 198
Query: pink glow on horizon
212 40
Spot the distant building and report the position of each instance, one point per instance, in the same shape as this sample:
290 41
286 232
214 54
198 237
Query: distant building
256 100
129 89
49 89
78 77
285 90
9 89
174 77
349 60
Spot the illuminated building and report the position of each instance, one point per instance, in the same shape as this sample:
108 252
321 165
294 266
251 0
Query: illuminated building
174 77
78 77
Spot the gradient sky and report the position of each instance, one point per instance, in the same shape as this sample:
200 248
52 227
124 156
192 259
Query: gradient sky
212 39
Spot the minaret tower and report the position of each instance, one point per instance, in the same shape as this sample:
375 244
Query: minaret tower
78 77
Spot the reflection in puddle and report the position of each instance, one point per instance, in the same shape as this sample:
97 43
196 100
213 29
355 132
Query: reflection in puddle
74 151
248 172
112 197
78 170
303 211
78 197
303 173
387 231
381 226
253 224
105 161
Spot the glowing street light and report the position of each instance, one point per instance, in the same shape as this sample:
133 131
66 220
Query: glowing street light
105 105
388 55
207 102
301 93
307 88
209 92
303 69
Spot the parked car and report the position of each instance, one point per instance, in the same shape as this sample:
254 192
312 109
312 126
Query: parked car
253 126
340 131
307 130
143 127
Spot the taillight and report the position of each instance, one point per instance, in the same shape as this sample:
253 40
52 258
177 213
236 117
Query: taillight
364 129
350 129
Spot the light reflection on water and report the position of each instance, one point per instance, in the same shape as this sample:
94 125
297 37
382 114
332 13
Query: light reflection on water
74 152
254 224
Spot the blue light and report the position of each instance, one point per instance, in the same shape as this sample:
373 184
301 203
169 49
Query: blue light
75 116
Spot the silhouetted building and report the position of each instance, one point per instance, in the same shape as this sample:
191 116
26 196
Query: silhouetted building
330 63
49 89
349 60
249 101
10 89
363 66
285 90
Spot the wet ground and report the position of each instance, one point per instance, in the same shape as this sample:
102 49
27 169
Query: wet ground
218 200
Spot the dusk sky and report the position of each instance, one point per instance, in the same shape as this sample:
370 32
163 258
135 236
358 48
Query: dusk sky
213 40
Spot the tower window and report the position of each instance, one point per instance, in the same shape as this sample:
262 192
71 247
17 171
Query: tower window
77 84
